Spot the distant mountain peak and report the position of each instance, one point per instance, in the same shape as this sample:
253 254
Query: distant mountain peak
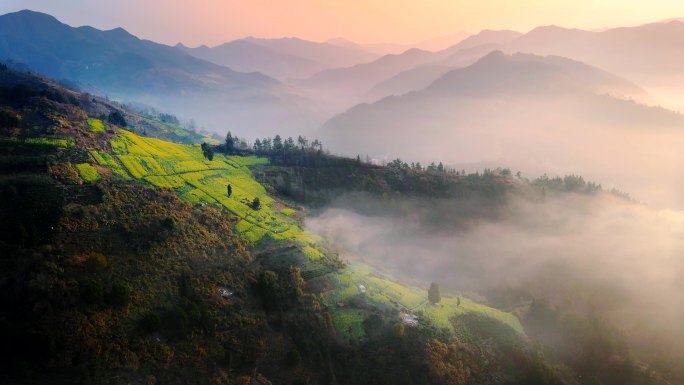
28 14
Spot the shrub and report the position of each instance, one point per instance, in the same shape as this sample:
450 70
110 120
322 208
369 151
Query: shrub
119 295
91 291
256 203
116 117
150 322
96 262
293 358
175 322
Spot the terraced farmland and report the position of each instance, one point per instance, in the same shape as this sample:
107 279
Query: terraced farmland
96 125
384 292
87 172
183 167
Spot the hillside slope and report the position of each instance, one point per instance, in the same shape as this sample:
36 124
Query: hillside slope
112 277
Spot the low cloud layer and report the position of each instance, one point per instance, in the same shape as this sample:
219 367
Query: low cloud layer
589 254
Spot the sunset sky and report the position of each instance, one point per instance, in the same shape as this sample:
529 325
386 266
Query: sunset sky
365 21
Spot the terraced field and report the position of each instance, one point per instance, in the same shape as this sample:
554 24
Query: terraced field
96 125
87 172
184 168
384 292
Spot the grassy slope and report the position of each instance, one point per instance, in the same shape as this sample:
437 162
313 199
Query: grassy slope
198 180
386 293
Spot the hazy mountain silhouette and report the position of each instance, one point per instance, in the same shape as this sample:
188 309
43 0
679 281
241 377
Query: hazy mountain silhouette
484 37
121 65
354 83
434 44
650 53
330 55
420 77
245 56
113 60
523 111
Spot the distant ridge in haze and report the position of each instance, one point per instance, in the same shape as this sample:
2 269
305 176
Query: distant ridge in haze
522 111
280 58
120 65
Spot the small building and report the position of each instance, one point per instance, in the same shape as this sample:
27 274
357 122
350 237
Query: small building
362 289
224 292
408 318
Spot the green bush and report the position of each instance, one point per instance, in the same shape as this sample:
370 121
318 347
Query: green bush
119 295
91 291
150 322
293 358
96 262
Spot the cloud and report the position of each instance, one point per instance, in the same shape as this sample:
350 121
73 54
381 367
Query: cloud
597 254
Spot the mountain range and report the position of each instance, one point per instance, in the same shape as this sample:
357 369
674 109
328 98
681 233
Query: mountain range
281 58
122 66
525 111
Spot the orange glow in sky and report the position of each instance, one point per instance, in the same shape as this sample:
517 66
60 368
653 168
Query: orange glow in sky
400 21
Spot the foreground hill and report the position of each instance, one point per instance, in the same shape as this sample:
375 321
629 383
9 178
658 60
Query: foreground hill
123 263
122 66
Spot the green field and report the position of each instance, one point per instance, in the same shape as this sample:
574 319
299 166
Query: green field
87 172
384 292
96 125
184 168
57 142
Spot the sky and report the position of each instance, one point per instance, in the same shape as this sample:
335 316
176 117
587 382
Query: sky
213 22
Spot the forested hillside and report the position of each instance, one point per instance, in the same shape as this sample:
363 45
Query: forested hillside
131 259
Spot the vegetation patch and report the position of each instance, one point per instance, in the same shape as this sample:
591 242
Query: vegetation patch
87 172
183 167
96 125
287 211
359 286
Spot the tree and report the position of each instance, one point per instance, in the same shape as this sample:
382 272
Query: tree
229 190
289 144
277 143
119 295
295 283
372 325
207 151
96 262
293 358
230 143
116 117
433 293
269 288
256 204
399 330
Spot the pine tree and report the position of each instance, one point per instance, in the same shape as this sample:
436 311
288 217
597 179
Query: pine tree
230 143
433 293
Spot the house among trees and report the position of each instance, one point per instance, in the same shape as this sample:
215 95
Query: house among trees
224 292
362 289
